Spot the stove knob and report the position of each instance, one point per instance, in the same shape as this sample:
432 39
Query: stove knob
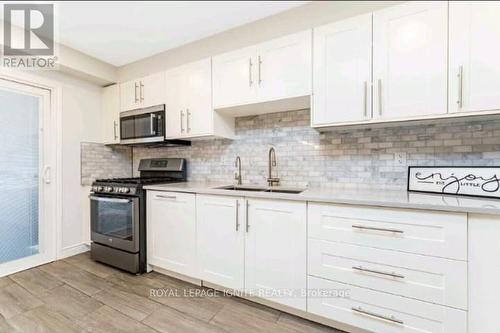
97 188
125 190
108 189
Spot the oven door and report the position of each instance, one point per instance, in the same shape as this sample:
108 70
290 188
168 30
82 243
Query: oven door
115 222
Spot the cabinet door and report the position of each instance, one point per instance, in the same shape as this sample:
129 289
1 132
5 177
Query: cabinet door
152 89
234 78
342 71
284 67
175 101
474 56
111 114
410 60
275 255
199 112
172 231
484 273
221 240
129 95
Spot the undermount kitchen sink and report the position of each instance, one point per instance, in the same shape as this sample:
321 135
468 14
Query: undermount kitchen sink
285 191
259 189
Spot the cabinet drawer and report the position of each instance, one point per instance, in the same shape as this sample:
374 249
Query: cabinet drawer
380 312
439 234
431 279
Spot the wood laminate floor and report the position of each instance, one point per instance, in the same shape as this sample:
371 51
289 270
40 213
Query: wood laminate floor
79 295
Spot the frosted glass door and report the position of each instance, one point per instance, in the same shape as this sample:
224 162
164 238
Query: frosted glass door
24 176
19 174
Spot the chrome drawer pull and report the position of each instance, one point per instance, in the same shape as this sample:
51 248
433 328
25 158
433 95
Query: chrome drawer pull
356 226
372 314
392 274
166 197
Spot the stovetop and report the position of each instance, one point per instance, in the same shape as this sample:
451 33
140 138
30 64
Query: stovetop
152 171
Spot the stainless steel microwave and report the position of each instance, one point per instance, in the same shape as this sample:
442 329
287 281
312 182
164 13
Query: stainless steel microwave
143 125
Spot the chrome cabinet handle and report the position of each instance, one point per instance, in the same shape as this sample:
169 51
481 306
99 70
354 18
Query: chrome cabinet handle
393 319
260 64
392 274
141 91
188 116
356 226
115 125
247 223
135 92
237 215
460 77
365 98
250 82
380 97
160 196
182 121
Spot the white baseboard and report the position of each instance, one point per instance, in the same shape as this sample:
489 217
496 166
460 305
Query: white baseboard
73 250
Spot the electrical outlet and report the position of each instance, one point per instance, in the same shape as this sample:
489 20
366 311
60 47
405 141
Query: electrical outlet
400 158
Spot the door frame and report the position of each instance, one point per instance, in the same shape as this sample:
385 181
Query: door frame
55 100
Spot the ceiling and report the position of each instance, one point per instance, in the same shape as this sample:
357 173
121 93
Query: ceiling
122 32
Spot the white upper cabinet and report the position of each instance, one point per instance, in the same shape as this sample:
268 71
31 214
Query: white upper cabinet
129 95
275 70
175 104
111 114
220 227
284 67
234 79
152 90
474 56
143 92
342 71
410 60
189 103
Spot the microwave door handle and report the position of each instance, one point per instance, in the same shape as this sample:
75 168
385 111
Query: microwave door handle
152 124
115 200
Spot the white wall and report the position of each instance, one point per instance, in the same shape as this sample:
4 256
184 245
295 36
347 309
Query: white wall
81 121
297 19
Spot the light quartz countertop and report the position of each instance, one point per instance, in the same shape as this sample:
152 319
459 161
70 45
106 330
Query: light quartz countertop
369 197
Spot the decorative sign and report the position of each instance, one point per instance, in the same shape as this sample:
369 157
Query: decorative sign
470 181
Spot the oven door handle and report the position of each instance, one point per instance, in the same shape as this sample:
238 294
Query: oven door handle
92 197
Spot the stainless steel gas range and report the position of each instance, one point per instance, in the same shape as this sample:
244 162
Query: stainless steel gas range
118 213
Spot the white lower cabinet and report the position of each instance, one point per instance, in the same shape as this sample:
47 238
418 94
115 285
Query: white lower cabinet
275 251
259 245
384 270
221 240
171 231
484 273
381 312
430 233
435 280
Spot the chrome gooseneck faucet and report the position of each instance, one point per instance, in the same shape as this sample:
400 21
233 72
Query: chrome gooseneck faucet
272 181
237 174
